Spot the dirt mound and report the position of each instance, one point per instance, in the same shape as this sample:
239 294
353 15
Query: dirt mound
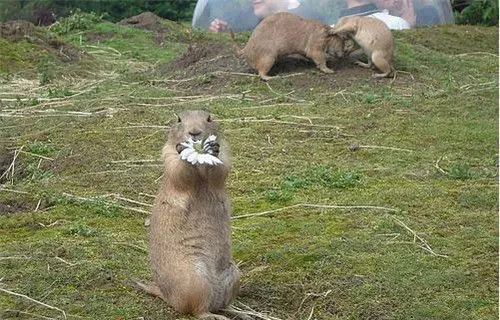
207 57
207 61
64 51
16 30
6 158
146 20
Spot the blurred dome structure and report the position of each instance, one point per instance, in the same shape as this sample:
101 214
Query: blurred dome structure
244 15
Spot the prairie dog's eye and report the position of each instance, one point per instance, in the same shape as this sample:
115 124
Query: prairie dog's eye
209 119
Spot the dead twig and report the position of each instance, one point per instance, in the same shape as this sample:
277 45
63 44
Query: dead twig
341 93
136 161
143 127
94 200
171 80
400 71
276 105
316 206
280 122
33 300
217 58
106 48
393 235
38 205
2 188
439 168
384 147
66 262
247 311
423 244
11 167
312 294
471 85
311 314
147 195
301 117
15 258
236 73
476 53
48 225
281 95
28 314
36 155
107 172
119 197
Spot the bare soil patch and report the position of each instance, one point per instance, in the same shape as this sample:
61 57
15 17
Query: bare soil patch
64 51
217 65
16 30
6 158
13 207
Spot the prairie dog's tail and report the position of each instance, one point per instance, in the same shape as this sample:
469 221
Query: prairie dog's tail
236 48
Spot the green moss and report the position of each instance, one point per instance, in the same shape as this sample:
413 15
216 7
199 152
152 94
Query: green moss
18 56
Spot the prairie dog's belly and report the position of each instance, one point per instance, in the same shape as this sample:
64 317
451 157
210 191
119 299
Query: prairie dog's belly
205 239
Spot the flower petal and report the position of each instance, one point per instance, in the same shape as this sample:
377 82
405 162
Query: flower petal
216 161
211 138
204 159
193 158
186 153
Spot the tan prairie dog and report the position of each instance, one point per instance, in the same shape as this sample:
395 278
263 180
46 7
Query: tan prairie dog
189 242
374 37
283 34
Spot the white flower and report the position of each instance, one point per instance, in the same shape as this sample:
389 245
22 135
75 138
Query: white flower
199 151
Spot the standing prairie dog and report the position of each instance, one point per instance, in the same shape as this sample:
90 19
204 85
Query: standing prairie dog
284 34
374 37
189 242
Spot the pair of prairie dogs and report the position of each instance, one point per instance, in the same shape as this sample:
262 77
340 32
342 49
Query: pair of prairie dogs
283 34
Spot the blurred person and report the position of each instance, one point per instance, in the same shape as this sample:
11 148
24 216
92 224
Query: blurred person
427 15
417 13
400 8
371 9
248 19
216 15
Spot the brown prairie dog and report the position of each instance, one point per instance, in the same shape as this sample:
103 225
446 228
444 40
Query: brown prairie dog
374 37
284 34
189 243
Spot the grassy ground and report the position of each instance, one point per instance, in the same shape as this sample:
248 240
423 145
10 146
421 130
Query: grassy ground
80 140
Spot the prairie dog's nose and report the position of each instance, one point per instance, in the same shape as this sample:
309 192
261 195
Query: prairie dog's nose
195 133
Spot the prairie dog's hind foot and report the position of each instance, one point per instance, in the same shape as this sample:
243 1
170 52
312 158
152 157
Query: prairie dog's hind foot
362 64
150 288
